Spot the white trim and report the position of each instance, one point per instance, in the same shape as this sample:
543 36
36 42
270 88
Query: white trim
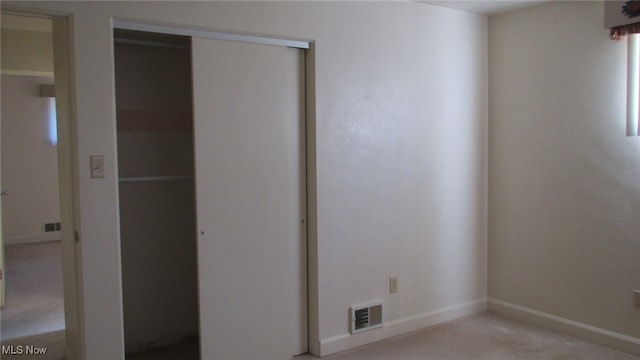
27 73
633 84
590 333
29 239
394 328
210 34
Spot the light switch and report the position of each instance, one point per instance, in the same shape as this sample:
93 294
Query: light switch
97 166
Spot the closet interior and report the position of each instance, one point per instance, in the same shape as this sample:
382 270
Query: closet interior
156 189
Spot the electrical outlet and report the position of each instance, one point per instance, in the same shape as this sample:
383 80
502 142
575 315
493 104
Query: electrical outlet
393 284
636 299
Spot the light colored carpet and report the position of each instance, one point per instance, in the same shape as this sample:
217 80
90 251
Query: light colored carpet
34 302
51 346
485 336
35 306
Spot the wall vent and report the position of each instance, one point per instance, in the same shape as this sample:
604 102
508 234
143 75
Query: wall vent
49 227
366 317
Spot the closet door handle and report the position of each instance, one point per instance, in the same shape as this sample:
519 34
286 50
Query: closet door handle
5 193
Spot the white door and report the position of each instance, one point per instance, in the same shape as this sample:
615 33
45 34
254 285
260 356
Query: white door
250 194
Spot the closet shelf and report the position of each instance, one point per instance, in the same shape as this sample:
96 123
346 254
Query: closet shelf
155 178
154 120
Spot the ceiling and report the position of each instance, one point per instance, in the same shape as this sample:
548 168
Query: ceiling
491 7
483 7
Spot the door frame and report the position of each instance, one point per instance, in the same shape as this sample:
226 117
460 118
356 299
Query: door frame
310 176
67 179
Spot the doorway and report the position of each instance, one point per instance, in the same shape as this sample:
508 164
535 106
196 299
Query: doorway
30 207
156 191
246 158
39 266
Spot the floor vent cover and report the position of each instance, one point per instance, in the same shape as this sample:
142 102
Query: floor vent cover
366 317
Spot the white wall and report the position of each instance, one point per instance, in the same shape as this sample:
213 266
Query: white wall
27 52
400 157
29 162
564 196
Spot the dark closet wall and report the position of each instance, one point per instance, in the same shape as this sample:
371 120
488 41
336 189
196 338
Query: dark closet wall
157 207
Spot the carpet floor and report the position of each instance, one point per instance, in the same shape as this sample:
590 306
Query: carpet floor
34 316
485 336
34 300
48 346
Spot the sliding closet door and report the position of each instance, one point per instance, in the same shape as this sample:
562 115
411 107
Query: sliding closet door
248 128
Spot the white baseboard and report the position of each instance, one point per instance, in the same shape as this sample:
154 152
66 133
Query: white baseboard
591 333
15 240
394 328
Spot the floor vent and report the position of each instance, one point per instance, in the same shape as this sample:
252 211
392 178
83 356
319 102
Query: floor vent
366 317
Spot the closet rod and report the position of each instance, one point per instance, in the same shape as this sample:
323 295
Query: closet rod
155 178
156 43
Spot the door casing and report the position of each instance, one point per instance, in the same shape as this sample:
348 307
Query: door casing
67 178
308 150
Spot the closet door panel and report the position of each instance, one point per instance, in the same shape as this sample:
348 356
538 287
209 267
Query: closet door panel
296 113
244 182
